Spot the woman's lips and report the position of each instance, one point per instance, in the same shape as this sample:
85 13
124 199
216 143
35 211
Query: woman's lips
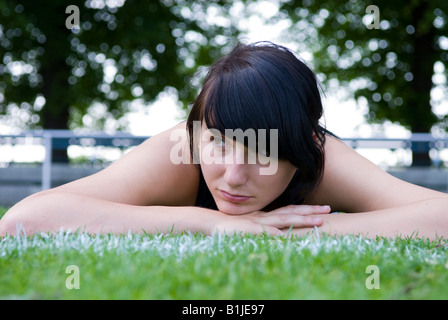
234 197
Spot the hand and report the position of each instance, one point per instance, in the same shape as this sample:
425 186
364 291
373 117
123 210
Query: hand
272 222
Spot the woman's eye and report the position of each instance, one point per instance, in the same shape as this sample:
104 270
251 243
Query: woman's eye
218 141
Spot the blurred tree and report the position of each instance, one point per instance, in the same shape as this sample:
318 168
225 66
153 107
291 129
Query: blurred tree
391 67
123 50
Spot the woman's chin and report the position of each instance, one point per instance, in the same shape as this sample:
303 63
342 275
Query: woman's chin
235 208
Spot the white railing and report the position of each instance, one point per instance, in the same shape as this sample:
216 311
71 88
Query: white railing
61 139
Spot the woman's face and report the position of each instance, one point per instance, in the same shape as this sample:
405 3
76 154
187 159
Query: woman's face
235 182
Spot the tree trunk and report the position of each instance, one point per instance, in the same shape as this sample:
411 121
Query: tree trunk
55 114
55 73
424 57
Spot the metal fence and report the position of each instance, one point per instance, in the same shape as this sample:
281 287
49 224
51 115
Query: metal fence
62 139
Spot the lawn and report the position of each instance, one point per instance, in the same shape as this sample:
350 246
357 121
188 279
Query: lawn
2 211
81 266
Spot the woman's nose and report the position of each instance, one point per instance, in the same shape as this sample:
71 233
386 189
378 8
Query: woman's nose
236 173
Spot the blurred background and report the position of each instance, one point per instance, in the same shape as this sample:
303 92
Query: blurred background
135 66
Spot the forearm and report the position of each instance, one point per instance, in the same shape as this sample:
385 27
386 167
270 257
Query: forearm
53 211
427 219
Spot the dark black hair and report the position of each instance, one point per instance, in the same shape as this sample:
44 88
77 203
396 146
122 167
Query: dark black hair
266 86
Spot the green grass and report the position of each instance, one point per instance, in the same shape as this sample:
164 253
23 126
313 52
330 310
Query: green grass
2 211
220 267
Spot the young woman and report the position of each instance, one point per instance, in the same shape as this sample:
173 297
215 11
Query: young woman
251 158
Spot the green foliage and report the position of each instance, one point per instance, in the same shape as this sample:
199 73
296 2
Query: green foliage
151 44
220 267
393 65
159 44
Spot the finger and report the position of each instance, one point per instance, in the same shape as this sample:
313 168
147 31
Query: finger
286 220
302 209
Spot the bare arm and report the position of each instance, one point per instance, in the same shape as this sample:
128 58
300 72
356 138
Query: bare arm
133 194
70 211
427 219
376 202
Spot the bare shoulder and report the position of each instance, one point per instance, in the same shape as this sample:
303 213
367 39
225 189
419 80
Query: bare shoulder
352 183
147 175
